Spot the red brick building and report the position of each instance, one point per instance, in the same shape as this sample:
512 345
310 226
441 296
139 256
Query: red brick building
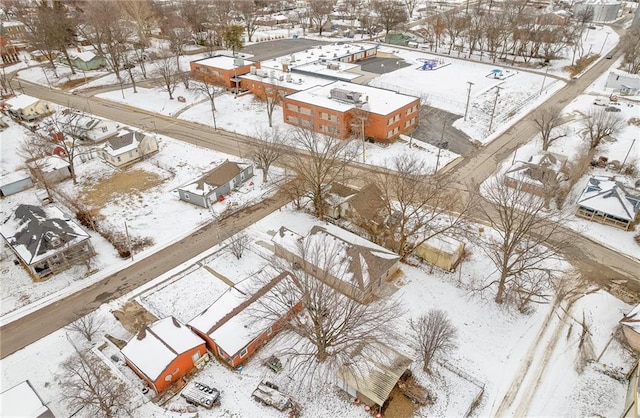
222 70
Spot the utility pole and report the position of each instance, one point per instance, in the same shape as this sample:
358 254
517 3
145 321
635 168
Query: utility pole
544 79
603 42
440 145
493 111
628 152
466 109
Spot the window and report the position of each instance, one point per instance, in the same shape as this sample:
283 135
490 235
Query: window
104 129
196 356
305 111
293 120
243 353
292 107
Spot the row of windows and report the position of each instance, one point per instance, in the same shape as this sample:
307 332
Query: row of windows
412 109
329 117
393 120
409 122
393 132
207 70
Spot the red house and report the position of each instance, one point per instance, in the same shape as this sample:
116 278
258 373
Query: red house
163 352
230 329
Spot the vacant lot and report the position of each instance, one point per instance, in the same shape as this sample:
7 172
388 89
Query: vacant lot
121 183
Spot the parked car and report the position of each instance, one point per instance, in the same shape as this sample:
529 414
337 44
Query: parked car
612 109
609 56
601 101
197 393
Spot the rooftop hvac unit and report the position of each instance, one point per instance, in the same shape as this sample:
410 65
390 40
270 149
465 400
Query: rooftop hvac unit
345 95
53 239
238 62
252 70
272 74
293 58
333 66
281 77
262 73
288 77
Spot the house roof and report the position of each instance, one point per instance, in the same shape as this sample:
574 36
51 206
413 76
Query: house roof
222 174
608 196
339 193
50 163
223 62
124 142
22 101
444 243
230 321
363 261
368 202
376 100
540 169
85 56
14 177
36 233
157 345
375 371
22 400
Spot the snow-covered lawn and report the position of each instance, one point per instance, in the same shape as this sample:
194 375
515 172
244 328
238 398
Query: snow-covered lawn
492 342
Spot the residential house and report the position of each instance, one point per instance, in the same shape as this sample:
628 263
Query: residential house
129 147
540 175
27 108
631 327
50 169
343 110
87 61
554 18
608 201
23 401
632 401
345 261
88 127
373 372
15 182
222 70
163 352
216 183
364 208
45 240
12 40
231 328
627 84
441 251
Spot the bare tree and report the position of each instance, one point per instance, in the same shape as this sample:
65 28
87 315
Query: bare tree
86 325
5 80
434 336
168 72
88 383
391 13
320 13
547 119
209 91
239 242
526 237
248 9
322 161
411 6
631 50
331 326
141 12
271 94
418 206
268 150
33 151
39 30
599 124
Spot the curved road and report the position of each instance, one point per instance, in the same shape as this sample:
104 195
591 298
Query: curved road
595 261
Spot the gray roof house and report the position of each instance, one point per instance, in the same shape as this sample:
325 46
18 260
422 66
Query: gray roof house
45 239
22 400
610 202
540 175
363 267
129 147
216 183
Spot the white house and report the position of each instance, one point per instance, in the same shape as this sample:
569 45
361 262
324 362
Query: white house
27 108
129 147
608 201
87 127
627 84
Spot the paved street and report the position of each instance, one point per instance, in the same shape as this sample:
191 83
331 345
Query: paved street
595 261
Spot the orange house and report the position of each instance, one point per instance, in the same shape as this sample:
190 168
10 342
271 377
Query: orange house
230 329
221 70
163 352
342 109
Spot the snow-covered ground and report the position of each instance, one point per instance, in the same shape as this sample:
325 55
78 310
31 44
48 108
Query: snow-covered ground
492 342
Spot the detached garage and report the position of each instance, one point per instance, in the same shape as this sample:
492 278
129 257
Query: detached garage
15 182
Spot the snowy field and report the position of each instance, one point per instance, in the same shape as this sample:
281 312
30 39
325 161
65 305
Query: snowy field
492 342
154 211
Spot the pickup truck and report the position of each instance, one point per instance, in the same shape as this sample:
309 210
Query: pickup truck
200 394
268 394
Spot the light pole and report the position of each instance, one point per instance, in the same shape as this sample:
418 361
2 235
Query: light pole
493 111
466 109
603 42
544 79
46 76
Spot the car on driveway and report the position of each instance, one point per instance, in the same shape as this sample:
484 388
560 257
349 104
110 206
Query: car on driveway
601 101
612 109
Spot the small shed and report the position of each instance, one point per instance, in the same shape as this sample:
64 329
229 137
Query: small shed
51 169
23 401
163 352
441 251
15 182
216 183
373 373
86 61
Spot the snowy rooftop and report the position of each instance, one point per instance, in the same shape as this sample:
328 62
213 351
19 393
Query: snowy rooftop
608 196
14 177
22 401
632 319
84 56
22 101
51 163
332 69
540 169
288 80
377 100
327 52
445 243
221 174
363 261
158 344
126 141
231 322
223 62
36 233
